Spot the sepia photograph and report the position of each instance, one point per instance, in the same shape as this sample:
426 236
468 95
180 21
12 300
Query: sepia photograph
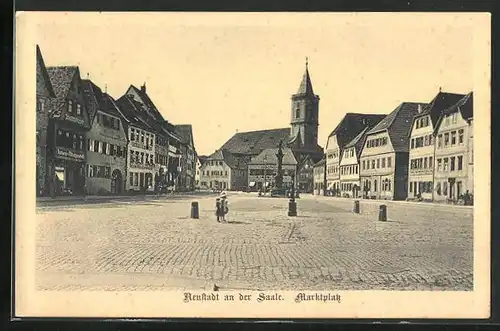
252 165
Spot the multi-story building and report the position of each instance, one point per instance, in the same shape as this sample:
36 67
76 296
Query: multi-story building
106 154
305 175
188 164
319 177
68 124
263 168
350 185
223 171
140 148
453 155
384 158
44 93
350 126
421 165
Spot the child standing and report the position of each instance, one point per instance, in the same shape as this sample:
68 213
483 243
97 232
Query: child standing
218 209
224 207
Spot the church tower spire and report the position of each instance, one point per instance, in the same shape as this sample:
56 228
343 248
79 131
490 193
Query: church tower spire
305 111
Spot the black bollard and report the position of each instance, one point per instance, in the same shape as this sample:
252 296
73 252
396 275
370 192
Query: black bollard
194 210
356 207
292 208
382 214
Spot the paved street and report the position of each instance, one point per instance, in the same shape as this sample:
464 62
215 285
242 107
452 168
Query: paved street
151 243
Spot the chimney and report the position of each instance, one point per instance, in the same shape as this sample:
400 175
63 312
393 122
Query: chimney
143 87
419 108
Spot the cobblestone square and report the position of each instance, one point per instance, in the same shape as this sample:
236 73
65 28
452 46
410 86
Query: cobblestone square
153 244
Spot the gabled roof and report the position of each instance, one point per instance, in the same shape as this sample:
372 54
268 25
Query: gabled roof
148 102
131 110
202 158
320 163
441 101
398 123
61 79
268 156
253 142
306 159
358 142
186 133
45 75
352 124
465 106
93 97
232 161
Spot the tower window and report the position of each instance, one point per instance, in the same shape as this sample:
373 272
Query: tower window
297 113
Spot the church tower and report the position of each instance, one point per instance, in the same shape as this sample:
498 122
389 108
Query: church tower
305 111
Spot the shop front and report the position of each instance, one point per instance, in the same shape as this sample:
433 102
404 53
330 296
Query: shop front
68 171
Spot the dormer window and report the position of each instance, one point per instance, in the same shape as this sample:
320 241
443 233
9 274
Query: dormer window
70 106
78 109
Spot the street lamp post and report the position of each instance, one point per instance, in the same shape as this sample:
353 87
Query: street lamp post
292 204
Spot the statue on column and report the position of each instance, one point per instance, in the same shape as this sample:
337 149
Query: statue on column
279 176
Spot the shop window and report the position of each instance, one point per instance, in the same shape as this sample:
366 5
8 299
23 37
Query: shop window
136 179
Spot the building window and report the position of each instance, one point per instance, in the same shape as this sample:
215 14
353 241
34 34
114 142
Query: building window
431 165
78 109
412 144
454 118
70 106
459 162
389 162
440 141
132 134
445 188
446 139
297 113
445 164
373 164
439 164
375 185
131 179
453 138
461 136
452 163
136 179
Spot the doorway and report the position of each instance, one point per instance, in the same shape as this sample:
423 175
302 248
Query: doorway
116 182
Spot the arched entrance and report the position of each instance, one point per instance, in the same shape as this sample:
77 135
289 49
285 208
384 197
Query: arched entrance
116 182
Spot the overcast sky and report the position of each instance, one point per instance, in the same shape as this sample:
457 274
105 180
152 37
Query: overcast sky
225 72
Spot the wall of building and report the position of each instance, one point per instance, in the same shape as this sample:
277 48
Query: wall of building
452 158
319 179
140 166
216 174
260 173
333 158
421 159
349 174
377 167
42 122
105 156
